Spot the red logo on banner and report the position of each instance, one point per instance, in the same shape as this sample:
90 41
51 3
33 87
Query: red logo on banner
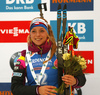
89 56
14 31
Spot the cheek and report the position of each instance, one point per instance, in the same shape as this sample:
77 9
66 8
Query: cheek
45 37
32 37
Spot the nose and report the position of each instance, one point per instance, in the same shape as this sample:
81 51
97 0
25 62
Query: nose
37 33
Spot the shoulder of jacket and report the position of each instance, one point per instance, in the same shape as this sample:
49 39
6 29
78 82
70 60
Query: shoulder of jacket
21 59
23 53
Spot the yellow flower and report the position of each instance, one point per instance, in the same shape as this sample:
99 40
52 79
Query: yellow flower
82 62
83 67
82 59
66 56
79 59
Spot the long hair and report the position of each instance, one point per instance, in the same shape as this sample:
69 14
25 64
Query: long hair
50 36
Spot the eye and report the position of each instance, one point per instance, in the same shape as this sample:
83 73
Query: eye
33 31
41 30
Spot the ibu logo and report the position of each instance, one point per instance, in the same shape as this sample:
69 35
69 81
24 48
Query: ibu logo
82 28
19 5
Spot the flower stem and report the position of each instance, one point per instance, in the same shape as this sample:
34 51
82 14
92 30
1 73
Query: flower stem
61 88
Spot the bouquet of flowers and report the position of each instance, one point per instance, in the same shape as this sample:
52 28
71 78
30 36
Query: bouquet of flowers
73 65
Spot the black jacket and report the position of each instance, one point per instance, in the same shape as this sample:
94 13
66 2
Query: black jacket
18 86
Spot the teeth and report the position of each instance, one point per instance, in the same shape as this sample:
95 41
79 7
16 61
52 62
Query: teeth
38 39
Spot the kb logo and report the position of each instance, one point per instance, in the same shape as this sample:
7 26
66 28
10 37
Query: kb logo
19 1
81 28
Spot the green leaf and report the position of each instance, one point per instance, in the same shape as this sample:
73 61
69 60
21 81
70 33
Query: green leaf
54 67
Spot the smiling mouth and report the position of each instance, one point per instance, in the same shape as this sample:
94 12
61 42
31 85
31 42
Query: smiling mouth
38 39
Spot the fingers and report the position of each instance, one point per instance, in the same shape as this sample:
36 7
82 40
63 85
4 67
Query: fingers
69 79
50 90
47 90
51 87
67 76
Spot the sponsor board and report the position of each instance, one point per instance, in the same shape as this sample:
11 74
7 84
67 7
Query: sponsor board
72 5
89 56
82 28
14 31
19 5
5 89
17 31
5 92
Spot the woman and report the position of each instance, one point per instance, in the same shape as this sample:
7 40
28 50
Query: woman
42 77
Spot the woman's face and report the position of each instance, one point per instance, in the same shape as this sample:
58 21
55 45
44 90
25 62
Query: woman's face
38 35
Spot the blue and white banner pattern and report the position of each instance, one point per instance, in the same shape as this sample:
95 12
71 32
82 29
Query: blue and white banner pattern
84 29
19 5
72 5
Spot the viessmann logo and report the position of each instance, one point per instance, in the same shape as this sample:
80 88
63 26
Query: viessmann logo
14 31
19 5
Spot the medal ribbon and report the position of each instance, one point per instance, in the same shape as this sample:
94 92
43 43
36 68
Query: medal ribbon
37 79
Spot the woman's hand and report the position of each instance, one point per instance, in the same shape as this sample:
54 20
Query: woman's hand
69 80
47 90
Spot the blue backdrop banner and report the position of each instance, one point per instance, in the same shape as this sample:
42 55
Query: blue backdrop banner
84 29
72 5
19 5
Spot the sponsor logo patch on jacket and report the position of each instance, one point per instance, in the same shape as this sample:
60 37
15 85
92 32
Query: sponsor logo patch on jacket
17 74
